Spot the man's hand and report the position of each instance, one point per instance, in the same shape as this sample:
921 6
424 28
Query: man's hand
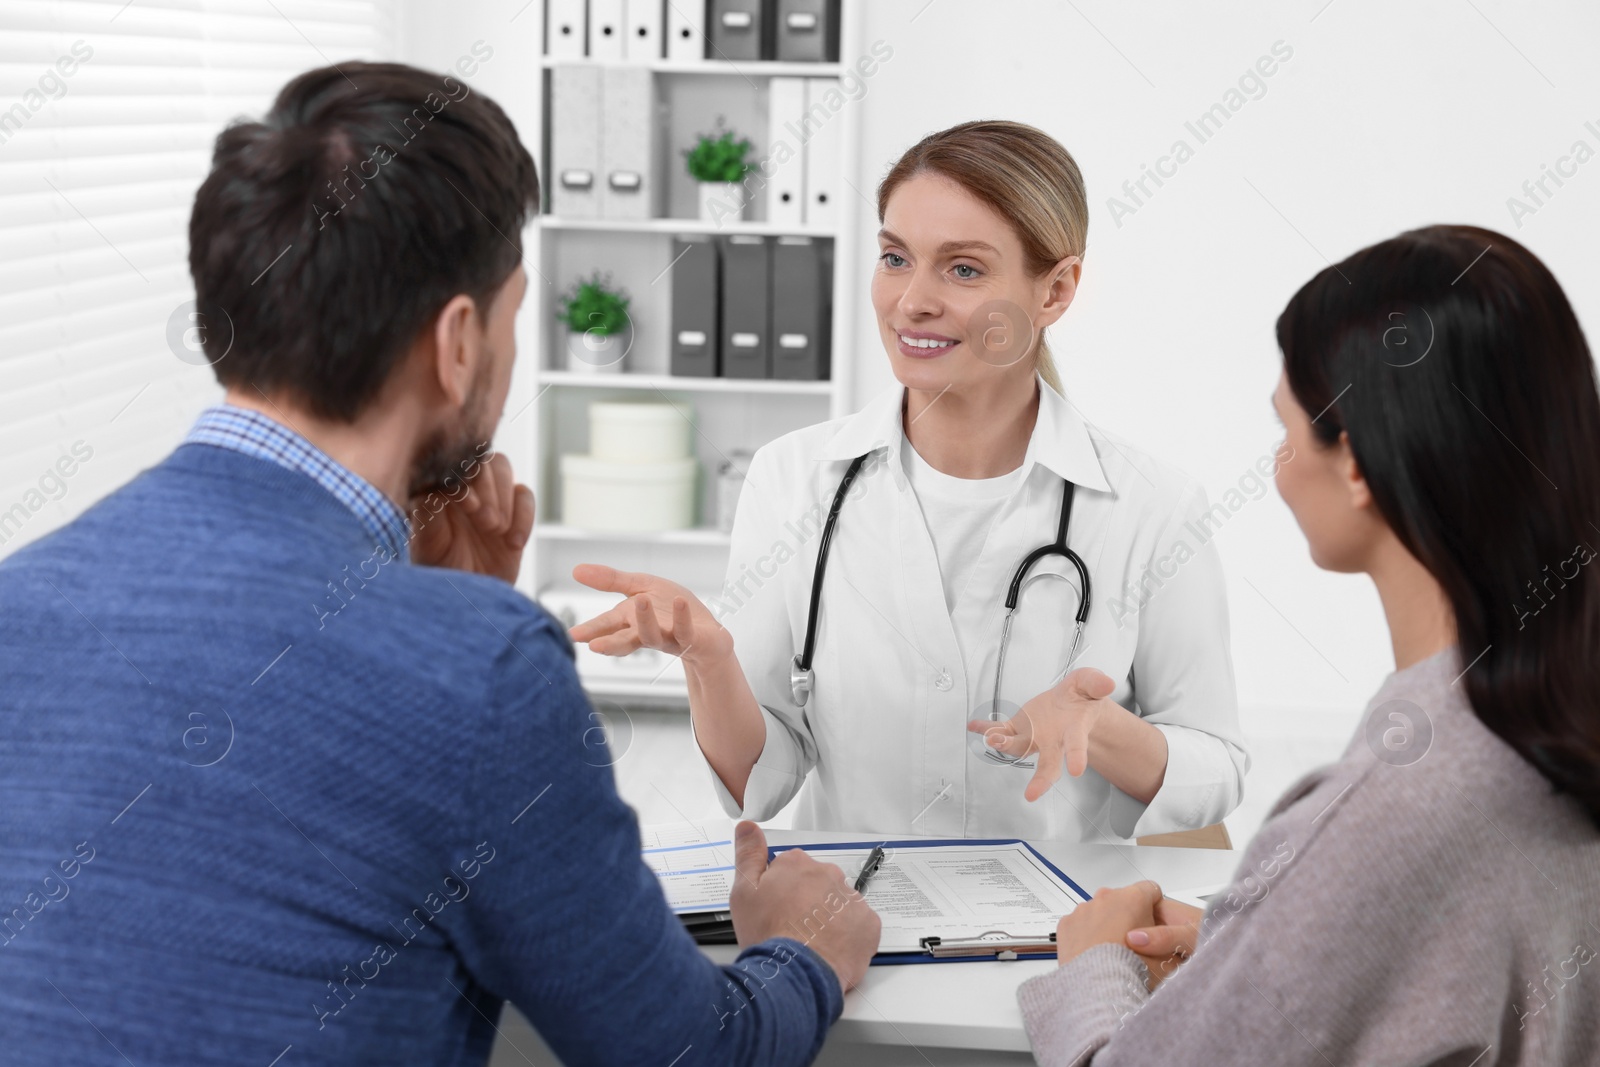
657 614
798 897
1170 942
484 530
1058 725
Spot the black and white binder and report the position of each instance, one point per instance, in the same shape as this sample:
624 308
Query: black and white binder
686 29
802 291
807 31
695 283
567 33
741 29
746 315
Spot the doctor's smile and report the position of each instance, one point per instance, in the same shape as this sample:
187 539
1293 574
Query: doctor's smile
919 345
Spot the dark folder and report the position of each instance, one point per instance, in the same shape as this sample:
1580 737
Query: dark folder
807 30
802 291
741 29
746 314
695 290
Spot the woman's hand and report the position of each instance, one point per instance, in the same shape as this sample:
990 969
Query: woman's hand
657 614
1058 725
482 531
1170 942
1107 919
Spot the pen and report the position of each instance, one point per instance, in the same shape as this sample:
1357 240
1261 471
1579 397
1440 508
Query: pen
869 868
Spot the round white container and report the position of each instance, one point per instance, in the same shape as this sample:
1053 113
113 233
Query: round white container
624 432
599 494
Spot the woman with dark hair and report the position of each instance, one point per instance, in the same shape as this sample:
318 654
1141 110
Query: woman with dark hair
1433 897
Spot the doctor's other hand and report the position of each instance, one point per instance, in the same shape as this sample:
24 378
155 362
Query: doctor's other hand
482 530
1107 919
1166 945
796 896
1058 726
657 614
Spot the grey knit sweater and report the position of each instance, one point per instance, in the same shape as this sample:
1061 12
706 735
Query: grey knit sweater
1426 900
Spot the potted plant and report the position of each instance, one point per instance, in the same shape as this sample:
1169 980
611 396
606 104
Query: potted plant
599 328
717 162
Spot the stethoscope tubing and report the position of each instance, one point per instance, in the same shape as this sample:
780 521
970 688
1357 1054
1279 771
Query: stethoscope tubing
801 674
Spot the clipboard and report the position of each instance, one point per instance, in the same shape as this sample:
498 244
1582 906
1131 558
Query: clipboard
996 944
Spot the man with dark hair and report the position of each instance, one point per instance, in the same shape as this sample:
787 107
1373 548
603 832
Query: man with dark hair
288 775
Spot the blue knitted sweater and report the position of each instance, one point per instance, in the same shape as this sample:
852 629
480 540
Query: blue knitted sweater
266 798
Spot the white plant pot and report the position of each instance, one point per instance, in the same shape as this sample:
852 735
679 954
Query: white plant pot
722 202
596 353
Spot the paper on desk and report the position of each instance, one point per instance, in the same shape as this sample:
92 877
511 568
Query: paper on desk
958 891
692 861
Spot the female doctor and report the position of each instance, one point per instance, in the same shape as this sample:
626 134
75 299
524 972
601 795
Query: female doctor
869 685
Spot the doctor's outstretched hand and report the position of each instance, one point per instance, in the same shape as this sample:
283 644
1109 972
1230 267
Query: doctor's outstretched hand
1060 726
657 614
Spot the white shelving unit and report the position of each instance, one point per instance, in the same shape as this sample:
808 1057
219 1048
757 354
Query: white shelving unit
547 415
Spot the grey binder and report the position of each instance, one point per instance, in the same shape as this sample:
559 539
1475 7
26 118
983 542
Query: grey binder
575 140
807 30
746 320
629 189
695 290
802 297
741 29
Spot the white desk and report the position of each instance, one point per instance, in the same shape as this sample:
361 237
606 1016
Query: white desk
917 1015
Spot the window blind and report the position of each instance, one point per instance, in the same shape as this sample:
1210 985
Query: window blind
108 111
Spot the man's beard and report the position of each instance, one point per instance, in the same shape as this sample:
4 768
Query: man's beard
445 460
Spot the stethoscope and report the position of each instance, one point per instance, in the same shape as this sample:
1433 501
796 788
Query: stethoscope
801 676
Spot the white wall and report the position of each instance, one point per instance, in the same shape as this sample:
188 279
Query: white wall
1386 116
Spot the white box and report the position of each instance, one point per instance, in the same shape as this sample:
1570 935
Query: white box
597 494
624 432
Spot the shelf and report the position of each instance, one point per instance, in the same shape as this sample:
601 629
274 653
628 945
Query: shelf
752 68
667 382
674 226
708 537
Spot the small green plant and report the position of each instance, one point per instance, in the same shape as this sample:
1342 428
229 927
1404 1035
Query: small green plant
594 305
719 157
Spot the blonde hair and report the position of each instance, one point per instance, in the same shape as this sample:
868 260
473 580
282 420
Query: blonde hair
1021 172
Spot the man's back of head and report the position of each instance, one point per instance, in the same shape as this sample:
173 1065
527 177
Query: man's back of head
287 767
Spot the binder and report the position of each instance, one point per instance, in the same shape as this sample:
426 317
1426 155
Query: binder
741 29
936 947
808 31
575 140
786 105
821 158
802 296
605 30
642 39
567 34
686 29
746 290
628 143
695 277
